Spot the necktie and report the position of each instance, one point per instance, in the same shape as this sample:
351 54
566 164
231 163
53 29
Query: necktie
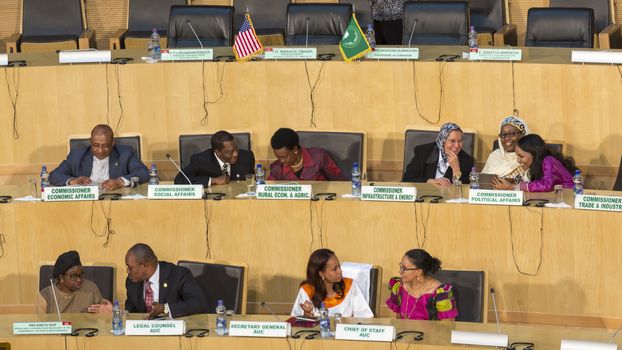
148 296
225 169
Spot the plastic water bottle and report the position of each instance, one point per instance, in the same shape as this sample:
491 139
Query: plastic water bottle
221 318
356 180
153 175
474 179
117 320
45 182
154 46
324 322
260 175
578 182
472 40
371 36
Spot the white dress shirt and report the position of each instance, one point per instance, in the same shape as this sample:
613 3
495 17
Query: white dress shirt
154 282
353 304
221 163
101 171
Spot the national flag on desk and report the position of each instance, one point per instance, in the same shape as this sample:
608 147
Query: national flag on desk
353 44
246 44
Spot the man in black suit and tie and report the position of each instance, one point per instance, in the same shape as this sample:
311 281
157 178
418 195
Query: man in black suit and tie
159 287
220 164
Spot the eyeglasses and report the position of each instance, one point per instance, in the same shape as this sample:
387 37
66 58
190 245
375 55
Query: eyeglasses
74 276
404 268
509 134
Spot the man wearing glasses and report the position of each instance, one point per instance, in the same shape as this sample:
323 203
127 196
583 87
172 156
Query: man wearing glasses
104 163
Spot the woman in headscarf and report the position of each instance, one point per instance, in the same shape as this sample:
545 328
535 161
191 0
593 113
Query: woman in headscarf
441 162
502 161
73 293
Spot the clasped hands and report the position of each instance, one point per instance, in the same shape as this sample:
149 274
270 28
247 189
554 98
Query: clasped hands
108 185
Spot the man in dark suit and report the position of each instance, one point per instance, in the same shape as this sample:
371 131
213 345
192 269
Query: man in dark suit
220 164
159 287
103 163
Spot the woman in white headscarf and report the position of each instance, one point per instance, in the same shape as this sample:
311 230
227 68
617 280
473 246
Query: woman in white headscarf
502 161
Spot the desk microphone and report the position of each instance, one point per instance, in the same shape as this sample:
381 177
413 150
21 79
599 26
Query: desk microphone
168 156
267 307
494 306
412 32
193 32
307 35
55 300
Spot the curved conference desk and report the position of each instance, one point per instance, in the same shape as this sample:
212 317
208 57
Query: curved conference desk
577 283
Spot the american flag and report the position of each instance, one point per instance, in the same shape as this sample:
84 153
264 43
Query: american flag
246 43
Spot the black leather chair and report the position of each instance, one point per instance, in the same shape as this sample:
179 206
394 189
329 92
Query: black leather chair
560 27
221 281
143 16
362 9
438 22
50 25
489 17
344 148
375 280
132 141
327 23
618 184
413 138
103 276
268 16
607 33
193 144
469 290
213 25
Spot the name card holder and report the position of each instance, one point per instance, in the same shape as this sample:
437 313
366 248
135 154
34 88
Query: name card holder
175 192
394 53
388 193
290 53
259 329
365 332
591 56
284 191
494 197
602 203
567 344
155 327
31 328
187 54
70 193
496 55
4 59
84 56
479 338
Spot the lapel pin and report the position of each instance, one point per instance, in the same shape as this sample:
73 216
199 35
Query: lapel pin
165 285
116 163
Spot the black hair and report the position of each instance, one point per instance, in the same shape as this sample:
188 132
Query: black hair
535 145
317 262
284 137
103 129
143 253
219 138
423 260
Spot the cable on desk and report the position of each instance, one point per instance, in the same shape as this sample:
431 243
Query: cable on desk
2 243
421 243
312 88
220 74
541 213
121 111
107 95
207 214
13 96
107 231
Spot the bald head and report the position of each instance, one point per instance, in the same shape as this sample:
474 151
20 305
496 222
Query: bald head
141 262
103 129
143 254
102 141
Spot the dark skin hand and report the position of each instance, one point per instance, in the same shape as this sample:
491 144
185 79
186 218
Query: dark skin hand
112 184
156 310
80 181
501 184
221 180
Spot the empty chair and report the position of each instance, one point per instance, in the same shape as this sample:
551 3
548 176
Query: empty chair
560 27
415 137
221 280
345 148
193 144
362 9
489 18
606 33
437 23
102 276
326 23
130 140
470 288
50 25
143 17
618 184
212 24
269 19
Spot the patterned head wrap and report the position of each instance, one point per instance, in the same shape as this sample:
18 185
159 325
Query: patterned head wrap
515 122
446 129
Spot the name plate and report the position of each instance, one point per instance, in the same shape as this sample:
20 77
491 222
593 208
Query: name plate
84 56
4 59
71 193
394 53
259 329
496 55
493 197
290 53
388 193
284 191
187 54
155 327
593 202
175 192
365 332
24 328
591 56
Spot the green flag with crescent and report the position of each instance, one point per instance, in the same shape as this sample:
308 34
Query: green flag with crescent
353 44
